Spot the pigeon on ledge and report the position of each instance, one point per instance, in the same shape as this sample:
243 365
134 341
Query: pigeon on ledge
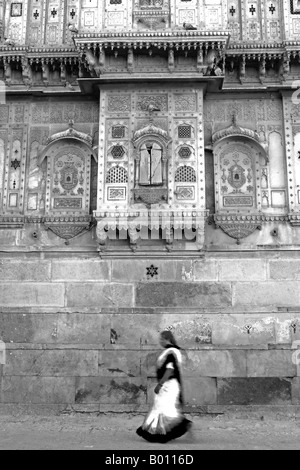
189 26
72 28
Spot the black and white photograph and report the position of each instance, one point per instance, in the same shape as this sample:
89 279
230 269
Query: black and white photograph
149 228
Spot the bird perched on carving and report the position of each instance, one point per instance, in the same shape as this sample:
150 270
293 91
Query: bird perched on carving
189 26
9 42
69 86
152 108
72 28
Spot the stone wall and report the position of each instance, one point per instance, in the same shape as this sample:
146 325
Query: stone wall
81 333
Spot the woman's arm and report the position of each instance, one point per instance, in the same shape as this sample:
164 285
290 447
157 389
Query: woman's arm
167 375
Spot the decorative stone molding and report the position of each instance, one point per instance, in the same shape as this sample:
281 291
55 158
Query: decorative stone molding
11 222
68 227
241 226
73 134
235 130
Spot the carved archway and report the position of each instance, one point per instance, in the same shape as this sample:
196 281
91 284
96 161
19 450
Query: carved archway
239 159
68 189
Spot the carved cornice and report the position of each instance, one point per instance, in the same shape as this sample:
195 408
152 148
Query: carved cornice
11 221
235 130
160 40
71 133
151 129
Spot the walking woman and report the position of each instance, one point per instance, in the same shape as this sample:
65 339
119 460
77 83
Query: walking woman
166 420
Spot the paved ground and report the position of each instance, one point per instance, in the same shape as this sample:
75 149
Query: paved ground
115 432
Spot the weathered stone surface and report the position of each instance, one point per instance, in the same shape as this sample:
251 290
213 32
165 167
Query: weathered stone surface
31 389
215 363
242 270
175 294
254 391
136 329
243 329
266 294
83 328
285 269
199 391
52 363
28 328
205 270
270 364
100 295
32 295
80 270
119 363
24 270
111 390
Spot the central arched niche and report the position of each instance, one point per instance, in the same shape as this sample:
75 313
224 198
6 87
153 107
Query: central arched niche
151 165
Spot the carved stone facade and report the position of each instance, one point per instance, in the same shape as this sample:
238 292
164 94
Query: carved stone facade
162 129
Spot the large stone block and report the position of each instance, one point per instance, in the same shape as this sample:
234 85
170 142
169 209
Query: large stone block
205 270
254 391
288 269
24 270
86 295
28 328
242 270
80 270
270 364
78 328
266 294
236 330
111 390
31 389
50 363
32 295
215 363
186 295
119 363
199 391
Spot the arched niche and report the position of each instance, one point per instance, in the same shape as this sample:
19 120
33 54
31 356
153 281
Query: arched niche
240 159
151 165
68 198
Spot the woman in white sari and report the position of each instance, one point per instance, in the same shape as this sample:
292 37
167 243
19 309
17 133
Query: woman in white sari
166 420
